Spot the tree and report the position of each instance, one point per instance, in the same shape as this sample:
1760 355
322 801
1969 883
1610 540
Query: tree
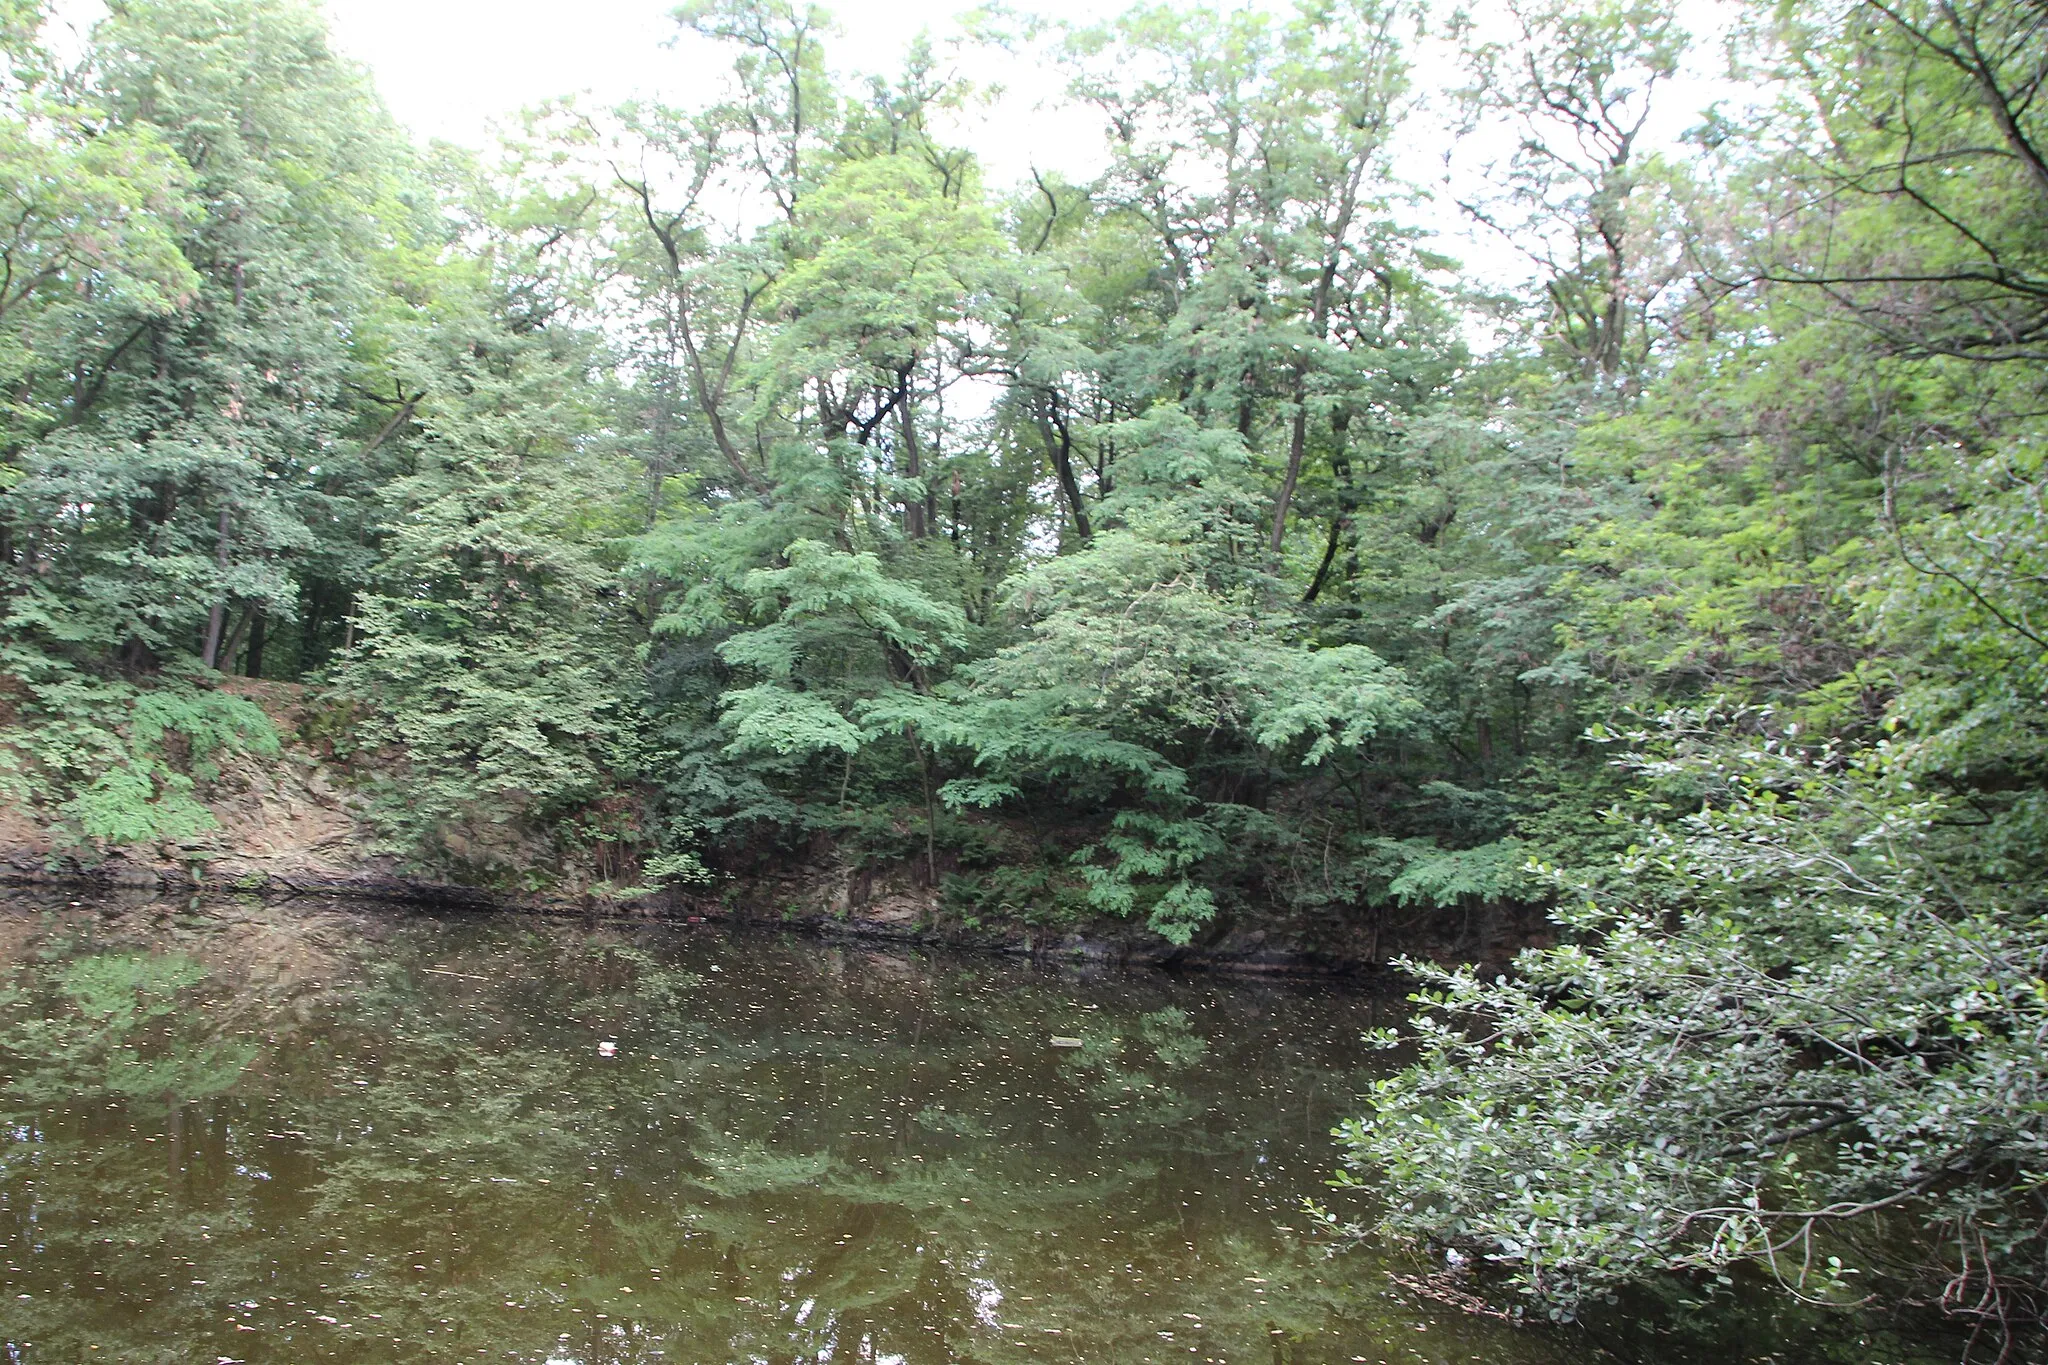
1807 1017
488 640
1911 189
1258 165
176 426
1148 681
1820 938
1578 82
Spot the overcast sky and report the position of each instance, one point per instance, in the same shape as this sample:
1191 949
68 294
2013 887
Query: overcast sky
449 69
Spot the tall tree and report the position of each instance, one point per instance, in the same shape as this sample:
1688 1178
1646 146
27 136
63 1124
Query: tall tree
1577 82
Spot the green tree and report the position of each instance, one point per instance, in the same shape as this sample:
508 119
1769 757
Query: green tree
490 647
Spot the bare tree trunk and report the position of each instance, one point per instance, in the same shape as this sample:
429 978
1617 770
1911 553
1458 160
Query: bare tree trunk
931 813
1315 586
232 646
310 626
1347 503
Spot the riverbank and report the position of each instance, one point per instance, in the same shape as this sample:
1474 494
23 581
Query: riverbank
298 823
803 902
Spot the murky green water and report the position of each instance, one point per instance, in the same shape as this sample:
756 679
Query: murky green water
315 1133
323 1133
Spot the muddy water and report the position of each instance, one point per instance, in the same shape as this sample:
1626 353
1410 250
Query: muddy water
318 1133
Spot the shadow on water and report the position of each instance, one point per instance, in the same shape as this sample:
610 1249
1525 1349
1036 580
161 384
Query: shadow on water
325 1133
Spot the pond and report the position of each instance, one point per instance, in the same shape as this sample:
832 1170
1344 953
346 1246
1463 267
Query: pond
321 1132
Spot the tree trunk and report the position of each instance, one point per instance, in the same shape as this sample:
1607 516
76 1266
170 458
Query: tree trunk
1297 446
310 626
232 646
1315 586
1319 323
931 813
217 618
913 459
1347 502
259 631
1059 448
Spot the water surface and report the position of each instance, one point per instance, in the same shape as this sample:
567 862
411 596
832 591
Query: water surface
311 1132
321 1133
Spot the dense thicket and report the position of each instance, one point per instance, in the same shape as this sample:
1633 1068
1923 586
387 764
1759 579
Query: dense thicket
692 485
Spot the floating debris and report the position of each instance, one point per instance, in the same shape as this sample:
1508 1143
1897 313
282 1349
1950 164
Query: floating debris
607 1048
1058 1041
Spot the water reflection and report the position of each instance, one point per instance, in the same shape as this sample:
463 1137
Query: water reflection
319 1133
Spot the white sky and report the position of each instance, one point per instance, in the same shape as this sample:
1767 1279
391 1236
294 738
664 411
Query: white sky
450 69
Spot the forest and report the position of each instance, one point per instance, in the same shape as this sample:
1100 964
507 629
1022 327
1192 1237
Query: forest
678 490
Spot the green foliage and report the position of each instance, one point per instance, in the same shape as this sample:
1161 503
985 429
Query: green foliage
689 491
835 613
1489 873
1796 1024
675 868
1161 850
107 763
474 661
1964 598
1343 697
1840 1023
1025 893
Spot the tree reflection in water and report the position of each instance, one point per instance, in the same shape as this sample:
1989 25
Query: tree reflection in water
321 1133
